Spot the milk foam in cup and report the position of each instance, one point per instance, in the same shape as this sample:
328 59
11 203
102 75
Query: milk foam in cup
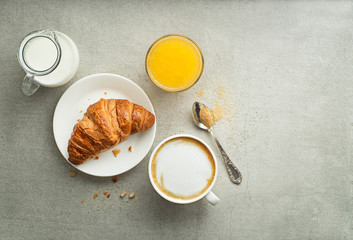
183 169
49 58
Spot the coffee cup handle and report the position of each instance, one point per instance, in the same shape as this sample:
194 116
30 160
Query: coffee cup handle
212 198
28 85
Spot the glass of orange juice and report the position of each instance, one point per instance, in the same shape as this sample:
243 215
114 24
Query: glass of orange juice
174 63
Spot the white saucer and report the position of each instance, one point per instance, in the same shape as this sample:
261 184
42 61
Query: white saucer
87 91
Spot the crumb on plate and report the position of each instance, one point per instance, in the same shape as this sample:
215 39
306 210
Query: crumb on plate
130 148
116 152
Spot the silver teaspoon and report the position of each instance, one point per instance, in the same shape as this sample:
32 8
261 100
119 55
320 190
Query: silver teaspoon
233 172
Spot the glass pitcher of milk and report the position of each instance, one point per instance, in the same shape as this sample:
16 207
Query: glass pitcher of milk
49 58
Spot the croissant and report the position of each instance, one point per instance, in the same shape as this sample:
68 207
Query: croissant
106 123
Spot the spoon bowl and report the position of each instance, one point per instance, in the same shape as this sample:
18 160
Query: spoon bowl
196 109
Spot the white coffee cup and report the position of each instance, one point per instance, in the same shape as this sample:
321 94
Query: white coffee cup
179 172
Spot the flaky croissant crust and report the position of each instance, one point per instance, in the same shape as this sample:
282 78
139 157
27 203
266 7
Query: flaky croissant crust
106 123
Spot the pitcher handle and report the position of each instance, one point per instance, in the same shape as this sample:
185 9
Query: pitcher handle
28 85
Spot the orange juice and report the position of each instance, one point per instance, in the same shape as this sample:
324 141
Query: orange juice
174 63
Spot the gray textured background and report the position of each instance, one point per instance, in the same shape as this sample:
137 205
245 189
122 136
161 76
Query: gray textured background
286 68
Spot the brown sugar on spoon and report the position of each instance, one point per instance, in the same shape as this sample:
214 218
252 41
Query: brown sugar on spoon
206 117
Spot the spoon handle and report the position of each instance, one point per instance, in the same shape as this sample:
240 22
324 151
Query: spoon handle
233 172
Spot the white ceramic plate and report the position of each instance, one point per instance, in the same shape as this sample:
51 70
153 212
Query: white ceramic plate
74 103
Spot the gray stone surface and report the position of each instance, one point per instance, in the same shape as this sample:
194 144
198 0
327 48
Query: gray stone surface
286 69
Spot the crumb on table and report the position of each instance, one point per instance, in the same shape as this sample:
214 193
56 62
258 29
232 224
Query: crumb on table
105 193
114 179
95 196
72 174
108 195
116 152
131 195
130 148
123 194
82 202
